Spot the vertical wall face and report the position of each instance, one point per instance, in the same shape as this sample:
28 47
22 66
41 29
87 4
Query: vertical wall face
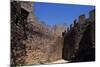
70 42
92 15
79 42
19 16
59 29
31 42
17 35
86 50
92 26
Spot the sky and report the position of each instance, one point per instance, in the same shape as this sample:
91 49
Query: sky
54 13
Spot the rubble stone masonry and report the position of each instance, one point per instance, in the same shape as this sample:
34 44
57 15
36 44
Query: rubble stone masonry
79 41
31 41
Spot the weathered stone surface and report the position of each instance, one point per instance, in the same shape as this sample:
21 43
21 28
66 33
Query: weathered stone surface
31 41
79 41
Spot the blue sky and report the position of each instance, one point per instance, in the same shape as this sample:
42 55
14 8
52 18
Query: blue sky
53 13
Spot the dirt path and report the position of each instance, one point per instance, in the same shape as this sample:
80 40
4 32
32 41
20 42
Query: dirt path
58 61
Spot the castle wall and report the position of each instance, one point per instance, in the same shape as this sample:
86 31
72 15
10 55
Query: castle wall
82 19
31 42
92 15
17 35
82 34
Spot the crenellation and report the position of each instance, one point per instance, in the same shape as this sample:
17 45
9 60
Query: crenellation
75 22
79 39
92 15
82 19
32 42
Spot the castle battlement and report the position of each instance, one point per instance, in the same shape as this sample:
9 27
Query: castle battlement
82 19
92 15
79 41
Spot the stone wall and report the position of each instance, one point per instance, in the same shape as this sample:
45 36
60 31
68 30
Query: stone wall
31 41
79 41
17 35
58 29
